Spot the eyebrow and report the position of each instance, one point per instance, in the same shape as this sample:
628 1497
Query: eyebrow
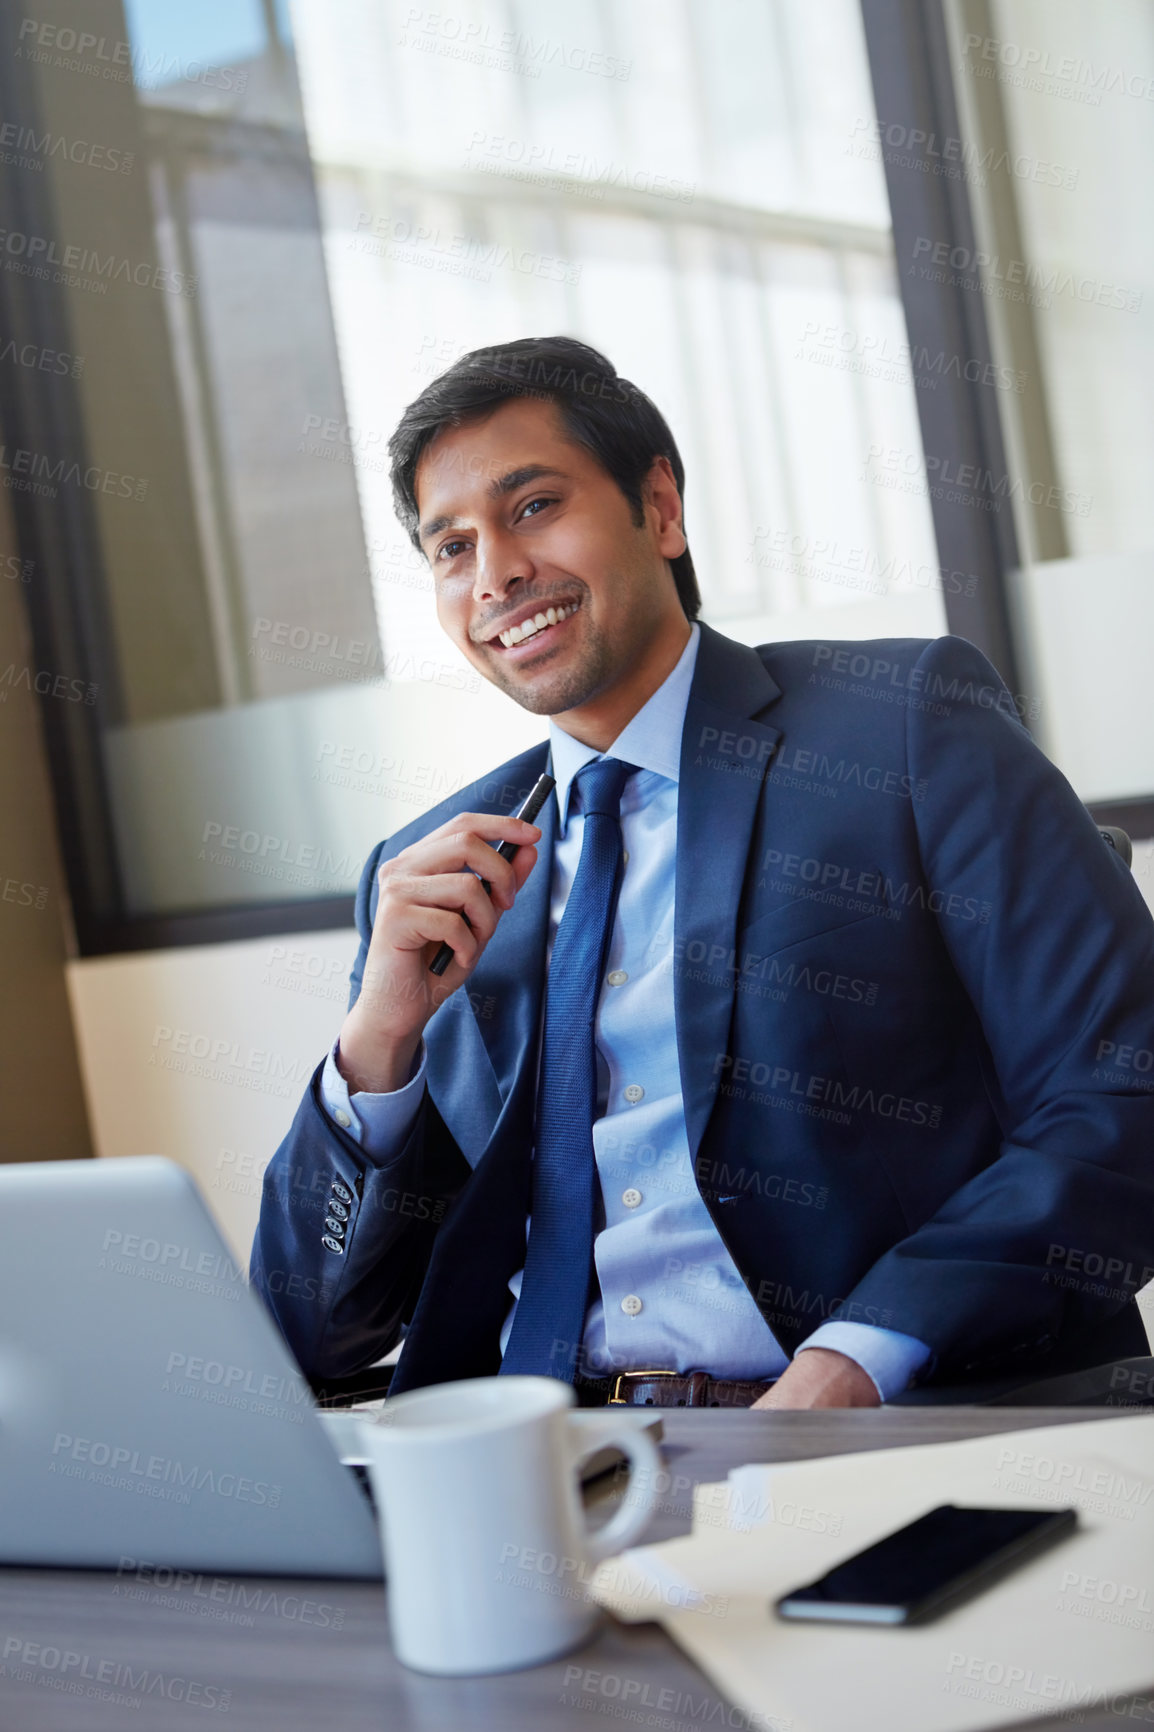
504 484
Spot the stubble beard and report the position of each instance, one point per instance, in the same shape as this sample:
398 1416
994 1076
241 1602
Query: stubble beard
585 676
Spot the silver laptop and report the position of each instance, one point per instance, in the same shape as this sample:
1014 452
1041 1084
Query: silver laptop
149 1408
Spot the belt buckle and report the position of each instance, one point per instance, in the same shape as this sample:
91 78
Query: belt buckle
617 1399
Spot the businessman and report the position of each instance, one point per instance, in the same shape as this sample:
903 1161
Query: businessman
791 1059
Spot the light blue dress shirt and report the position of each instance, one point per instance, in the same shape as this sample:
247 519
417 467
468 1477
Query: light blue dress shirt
670 1295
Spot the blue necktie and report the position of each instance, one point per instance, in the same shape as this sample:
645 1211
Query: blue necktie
550 1317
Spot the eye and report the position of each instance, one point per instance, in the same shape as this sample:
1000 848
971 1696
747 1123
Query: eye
446 550
539 499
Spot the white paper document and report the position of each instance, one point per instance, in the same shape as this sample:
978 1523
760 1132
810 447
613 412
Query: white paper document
1072 1629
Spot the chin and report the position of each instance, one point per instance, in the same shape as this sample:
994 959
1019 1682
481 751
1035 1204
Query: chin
545 699
552 697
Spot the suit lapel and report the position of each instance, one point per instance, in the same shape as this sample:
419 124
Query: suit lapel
504 993
725 754
507 984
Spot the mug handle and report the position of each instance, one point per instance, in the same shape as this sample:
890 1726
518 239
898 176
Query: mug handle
637 1505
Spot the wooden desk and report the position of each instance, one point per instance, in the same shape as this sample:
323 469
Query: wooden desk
280 1656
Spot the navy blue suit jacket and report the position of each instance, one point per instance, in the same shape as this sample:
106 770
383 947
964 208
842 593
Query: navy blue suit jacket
910 980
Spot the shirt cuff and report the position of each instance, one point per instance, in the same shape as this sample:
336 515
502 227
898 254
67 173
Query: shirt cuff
887 1357
379 1123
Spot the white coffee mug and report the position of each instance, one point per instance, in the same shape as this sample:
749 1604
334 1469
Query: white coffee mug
487 1551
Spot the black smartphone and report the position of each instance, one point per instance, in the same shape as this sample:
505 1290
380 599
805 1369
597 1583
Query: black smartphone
929 1566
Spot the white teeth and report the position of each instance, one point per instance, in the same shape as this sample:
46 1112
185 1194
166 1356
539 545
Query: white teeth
529 627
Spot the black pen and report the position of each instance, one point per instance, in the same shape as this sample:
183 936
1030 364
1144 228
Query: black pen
538 794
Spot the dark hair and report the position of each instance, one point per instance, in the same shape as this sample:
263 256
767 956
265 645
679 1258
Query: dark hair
610 416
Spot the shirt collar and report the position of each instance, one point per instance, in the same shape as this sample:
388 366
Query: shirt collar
651 740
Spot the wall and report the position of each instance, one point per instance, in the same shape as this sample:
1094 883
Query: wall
204 1054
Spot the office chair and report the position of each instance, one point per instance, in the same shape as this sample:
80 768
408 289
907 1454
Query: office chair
1121 1384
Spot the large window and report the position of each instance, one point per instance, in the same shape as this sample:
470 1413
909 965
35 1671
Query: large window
287 219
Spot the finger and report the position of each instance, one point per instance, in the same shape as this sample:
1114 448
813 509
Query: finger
460 851
489 826
438 926
519 867
522 864
453 890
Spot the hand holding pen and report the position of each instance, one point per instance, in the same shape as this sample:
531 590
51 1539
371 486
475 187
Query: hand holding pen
447 892
538 795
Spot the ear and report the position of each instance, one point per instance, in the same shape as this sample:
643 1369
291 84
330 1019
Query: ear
661 496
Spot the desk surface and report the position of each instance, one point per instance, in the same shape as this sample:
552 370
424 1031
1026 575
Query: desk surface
283 1656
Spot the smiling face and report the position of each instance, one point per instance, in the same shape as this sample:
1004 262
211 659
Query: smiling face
517 519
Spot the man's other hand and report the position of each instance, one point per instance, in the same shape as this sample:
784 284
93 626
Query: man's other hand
819 1377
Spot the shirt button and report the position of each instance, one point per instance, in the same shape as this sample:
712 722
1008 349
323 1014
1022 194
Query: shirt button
625 857
634 1092
618 977
631 1198
631 1305
342 1118
342 1192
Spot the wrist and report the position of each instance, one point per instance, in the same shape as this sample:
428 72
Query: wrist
835 1379
822 1377
371 1064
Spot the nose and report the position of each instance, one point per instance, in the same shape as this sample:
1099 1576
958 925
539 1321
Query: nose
500 562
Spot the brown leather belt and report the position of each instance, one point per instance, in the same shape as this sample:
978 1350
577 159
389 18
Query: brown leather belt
668 1389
